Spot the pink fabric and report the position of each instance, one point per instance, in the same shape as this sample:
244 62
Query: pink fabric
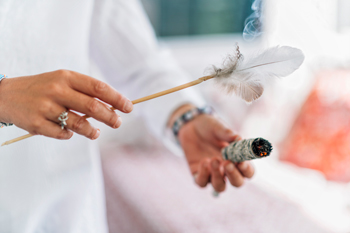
150 190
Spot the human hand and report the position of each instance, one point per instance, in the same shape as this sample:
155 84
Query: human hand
34 103
202 140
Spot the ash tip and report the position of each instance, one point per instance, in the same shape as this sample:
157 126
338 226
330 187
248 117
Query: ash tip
261 147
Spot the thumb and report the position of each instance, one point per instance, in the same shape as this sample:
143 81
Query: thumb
225 134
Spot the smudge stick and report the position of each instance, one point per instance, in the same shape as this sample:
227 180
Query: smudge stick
247 149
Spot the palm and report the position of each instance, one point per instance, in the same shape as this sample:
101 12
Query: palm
199 141
202 140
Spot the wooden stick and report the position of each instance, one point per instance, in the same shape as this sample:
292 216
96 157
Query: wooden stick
143 99
16 139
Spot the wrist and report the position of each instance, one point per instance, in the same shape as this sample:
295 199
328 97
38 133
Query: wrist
3 83
2 80
179 112
188 116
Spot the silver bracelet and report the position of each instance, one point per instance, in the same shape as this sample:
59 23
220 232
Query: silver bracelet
188 116
3 124
2 77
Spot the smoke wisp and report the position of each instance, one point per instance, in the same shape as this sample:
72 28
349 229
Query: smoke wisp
254 23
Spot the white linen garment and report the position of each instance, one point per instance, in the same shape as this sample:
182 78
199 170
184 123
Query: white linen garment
47 185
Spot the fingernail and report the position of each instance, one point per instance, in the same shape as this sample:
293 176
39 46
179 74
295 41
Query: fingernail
229 132
97 134
128 106
229 167
244 165
215 164
71 134
118 123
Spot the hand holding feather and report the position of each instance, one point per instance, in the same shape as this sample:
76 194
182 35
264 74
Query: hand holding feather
245 77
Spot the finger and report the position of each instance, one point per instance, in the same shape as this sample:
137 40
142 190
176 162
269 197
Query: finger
217 179
203 175
233 175
246 169
75 123
91 107
103 91
223 133
50 129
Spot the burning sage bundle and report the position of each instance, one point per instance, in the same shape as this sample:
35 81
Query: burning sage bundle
247 149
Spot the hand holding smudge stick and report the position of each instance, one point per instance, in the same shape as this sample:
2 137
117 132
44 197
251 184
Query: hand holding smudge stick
244 150
247 149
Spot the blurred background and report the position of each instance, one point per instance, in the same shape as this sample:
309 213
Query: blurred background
304 186
186 18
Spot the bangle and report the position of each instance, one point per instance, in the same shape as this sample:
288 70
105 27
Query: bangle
2 77
188 116
3 124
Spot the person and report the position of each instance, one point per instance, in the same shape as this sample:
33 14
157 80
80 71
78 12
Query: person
50 185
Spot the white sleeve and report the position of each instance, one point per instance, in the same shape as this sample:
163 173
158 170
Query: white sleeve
124 47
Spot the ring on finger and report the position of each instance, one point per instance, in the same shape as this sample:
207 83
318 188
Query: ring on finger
195 175
63 119
215 193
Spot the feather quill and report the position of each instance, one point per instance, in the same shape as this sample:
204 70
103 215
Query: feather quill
247 77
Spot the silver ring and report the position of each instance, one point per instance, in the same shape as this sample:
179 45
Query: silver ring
195 176
63 118
215 193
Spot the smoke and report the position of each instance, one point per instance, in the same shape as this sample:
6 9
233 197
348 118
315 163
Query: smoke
253 24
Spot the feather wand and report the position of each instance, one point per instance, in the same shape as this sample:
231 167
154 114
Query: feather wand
245 77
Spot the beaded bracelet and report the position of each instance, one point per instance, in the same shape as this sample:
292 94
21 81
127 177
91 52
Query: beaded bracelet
2 77
3 124
188 116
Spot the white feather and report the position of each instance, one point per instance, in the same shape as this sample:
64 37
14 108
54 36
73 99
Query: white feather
246 77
